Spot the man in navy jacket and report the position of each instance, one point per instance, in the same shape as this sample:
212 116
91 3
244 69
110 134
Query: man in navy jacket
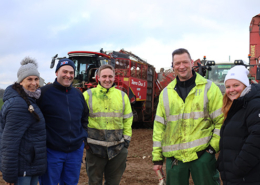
66 115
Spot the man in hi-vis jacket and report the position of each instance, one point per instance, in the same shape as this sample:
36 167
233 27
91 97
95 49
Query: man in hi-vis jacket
187 126
109 129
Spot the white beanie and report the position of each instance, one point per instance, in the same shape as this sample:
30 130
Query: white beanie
238 73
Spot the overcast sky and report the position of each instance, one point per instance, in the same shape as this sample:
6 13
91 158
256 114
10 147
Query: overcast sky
151 29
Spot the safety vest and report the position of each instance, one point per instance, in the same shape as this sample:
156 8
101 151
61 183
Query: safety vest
181 129
110 117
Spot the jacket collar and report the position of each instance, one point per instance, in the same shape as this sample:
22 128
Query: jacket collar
188 82
57 85
199 80
104 90
251 92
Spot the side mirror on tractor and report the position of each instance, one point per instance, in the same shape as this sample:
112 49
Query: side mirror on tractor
53 61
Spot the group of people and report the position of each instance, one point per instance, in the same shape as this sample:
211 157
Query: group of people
44 130
194 122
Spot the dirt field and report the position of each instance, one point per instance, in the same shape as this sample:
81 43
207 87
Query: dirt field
139 162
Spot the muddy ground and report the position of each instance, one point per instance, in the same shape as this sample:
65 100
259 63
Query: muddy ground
139 162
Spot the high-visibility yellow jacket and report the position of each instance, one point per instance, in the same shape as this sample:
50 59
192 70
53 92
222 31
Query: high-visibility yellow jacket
183 128
110 120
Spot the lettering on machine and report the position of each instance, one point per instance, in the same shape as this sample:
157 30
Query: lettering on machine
139 83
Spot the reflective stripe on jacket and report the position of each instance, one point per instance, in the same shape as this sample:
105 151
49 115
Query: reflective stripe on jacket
183 128
110 120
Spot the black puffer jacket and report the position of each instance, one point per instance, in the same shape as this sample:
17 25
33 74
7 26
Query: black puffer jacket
22 138
239 158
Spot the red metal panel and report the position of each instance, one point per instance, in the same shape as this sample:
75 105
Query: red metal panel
166 77
122 84
139 88
254 47
90 52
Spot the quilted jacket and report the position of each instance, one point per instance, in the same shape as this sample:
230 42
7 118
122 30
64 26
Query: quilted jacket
22 138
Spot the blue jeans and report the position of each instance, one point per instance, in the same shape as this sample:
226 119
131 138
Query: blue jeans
62 168
28 180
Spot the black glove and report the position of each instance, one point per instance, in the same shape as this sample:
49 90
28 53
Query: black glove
127 143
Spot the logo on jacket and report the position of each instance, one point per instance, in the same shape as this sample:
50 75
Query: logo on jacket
197 91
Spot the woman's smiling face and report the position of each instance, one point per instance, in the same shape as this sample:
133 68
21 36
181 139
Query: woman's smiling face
234 88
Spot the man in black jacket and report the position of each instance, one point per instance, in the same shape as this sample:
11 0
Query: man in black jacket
66 116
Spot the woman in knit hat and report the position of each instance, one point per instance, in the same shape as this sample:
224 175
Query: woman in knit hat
239 158
22 129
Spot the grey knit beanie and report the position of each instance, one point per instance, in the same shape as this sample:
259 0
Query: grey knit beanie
28 68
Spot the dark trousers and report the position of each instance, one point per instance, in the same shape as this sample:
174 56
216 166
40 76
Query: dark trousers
202 170
240 183
112 169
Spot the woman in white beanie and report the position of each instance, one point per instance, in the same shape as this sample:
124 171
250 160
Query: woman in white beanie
239 158
22 129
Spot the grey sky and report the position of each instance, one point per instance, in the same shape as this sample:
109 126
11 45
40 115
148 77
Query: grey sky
150 29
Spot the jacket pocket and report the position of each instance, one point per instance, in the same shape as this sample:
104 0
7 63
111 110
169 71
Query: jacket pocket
28 154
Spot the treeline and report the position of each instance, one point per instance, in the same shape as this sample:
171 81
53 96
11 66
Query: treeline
1 93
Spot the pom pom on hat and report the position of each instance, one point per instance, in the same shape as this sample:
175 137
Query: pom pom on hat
238 73
28 68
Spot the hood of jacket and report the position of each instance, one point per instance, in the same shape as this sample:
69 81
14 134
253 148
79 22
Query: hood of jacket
252 94
10 93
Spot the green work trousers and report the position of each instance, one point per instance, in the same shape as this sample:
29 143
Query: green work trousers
202 170
112 169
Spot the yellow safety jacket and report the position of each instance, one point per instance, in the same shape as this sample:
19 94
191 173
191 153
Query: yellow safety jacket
110 120
181 129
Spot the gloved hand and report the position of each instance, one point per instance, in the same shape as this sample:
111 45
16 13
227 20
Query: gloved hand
127 142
